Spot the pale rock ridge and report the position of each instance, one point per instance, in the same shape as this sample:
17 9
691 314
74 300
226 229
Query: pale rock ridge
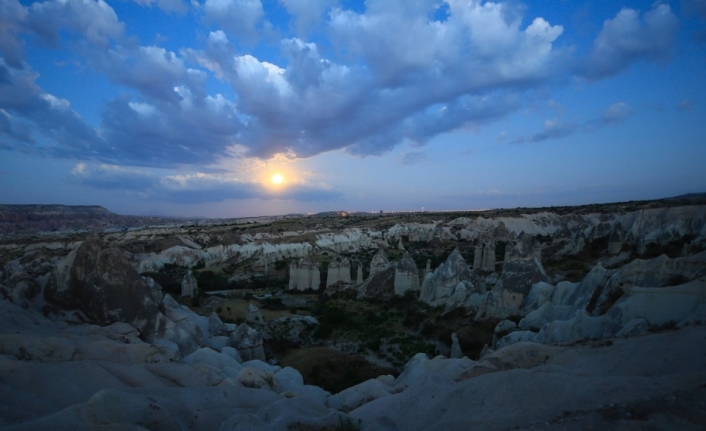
406 275
304 274
339 270
359 275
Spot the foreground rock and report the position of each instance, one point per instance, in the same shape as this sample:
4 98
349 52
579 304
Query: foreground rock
494 394
100 282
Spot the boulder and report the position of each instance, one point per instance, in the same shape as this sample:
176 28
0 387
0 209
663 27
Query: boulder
248 342
252 377
99 281
362 393
216 326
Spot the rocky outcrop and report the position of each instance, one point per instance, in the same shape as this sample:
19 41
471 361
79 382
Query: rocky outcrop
189 285
248 342
99 281
339 270
379 286
523 271
406 275
451 283
304 275
254 317
379 263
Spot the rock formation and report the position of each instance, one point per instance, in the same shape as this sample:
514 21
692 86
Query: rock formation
99 281
359 275
189 286
478 256
451 283
516 280
248 342
616 240
339 270
406 275
304 275
379 263
254 318
489 256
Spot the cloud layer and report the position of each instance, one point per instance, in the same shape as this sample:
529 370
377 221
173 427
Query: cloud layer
365 81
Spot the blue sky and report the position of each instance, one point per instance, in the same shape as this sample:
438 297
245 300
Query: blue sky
189 108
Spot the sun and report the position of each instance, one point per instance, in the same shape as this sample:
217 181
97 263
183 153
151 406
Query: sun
277 179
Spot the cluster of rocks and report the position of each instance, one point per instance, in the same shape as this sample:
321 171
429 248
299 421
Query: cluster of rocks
304 275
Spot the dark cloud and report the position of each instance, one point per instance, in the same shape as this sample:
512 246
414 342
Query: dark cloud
50 116
12 17
628 38
96 21
194 132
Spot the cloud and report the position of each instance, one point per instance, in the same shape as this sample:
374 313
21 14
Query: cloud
553 129
24 107
12 17
112 177
628 38
615 114
193 132
238 18
197 187
176 6
406 77
95 20
391 74
413 158
307 13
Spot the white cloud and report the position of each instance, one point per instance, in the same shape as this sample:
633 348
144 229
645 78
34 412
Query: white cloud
628 38
239 18
307 13
177 6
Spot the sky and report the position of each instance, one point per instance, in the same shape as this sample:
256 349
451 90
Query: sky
235 108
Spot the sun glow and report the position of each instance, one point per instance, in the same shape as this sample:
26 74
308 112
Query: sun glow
277 179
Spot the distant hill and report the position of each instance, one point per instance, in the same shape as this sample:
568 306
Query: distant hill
9 213
697 196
